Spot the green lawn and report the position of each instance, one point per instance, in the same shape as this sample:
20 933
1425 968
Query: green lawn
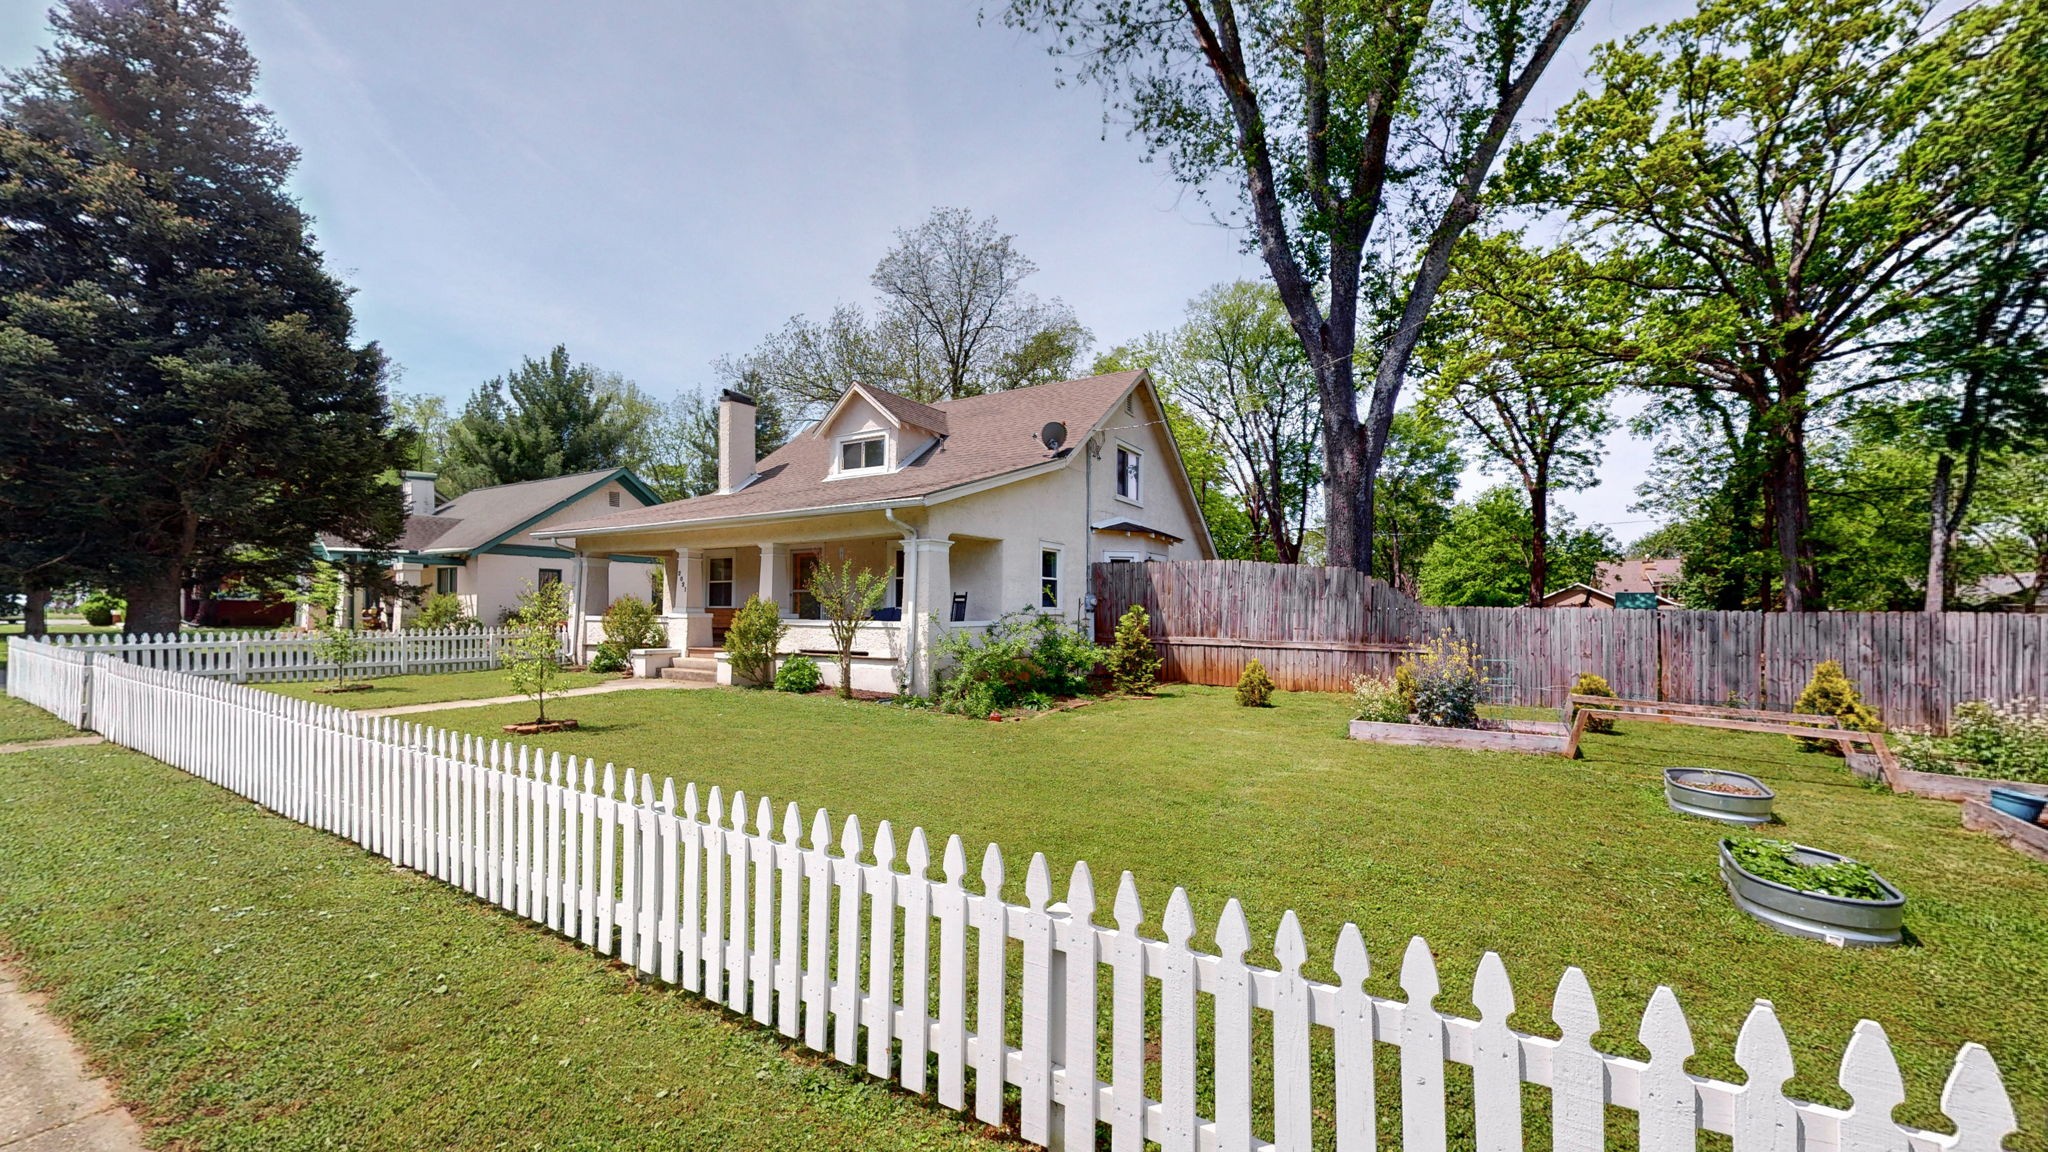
21 723
57 626
253 983
249 983
1548 863
394 691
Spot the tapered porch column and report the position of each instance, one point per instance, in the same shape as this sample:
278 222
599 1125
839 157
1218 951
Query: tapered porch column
682 596
926 616
775 577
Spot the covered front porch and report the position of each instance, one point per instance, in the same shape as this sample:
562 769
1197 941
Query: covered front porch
933 584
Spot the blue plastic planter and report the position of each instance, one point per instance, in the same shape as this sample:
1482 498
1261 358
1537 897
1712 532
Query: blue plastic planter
2019 805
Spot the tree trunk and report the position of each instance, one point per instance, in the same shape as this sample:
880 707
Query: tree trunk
845 674
1539 542
35 603
153 601
1347 476
1937 535
1794 519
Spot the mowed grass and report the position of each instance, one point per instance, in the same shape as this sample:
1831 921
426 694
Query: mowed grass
252 984
21 723
1550 863
355 1005
396 691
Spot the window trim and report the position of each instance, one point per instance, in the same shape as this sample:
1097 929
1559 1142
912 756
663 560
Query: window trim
731 581
1137 469
1057 579
840 445
544 578
902 566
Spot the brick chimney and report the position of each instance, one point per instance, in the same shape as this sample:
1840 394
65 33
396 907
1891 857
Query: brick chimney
735 439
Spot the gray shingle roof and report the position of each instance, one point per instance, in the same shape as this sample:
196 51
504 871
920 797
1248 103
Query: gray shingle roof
479 517
987 436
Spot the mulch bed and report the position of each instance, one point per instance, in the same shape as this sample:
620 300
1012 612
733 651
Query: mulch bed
541 727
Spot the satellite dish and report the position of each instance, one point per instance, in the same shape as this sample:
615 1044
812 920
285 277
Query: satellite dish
1053 435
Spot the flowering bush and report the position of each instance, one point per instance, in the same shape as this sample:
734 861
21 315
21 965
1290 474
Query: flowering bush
1446 675
1378 699
1021 654
2007 741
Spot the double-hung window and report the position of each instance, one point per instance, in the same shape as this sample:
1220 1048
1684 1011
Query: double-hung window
1049 578
1128 481
718 582
898 580
864 454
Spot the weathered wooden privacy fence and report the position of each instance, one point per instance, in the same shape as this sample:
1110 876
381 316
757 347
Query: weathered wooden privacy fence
1316 628
266 657
836 949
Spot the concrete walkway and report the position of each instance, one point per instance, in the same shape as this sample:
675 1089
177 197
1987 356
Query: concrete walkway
63 742
635 685
49 1102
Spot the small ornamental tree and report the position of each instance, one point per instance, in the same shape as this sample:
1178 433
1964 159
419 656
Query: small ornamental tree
751 640
341 648
1132 660
1255 688
846 595
1832 693
1590 685
533 653
443 610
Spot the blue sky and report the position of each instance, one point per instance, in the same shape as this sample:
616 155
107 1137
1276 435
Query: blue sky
659 184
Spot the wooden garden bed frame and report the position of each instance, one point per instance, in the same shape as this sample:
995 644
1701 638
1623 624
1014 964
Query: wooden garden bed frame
1585 708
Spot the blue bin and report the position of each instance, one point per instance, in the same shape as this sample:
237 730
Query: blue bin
2020 805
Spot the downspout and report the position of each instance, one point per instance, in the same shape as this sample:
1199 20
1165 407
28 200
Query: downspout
1090 453
909 613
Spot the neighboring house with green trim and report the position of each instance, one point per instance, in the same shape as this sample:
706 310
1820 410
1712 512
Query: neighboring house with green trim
480 547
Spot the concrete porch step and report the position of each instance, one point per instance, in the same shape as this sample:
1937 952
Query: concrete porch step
701 669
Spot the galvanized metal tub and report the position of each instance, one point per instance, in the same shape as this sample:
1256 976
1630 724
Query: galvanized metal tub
1844 921
1684 792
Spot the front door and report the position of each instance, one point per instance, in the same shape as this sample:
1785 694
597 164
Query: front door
806 605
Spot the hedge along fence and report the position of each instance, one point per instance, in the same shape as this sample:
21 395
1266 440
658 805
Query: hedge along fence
820 946
270 657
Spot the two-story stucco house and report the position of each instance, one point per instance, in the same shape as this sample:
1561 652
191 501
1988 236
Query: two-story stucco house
975 507
483 546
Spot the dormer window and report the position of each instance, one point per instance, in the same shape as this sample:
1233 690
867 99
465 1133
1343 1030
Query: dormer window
863 454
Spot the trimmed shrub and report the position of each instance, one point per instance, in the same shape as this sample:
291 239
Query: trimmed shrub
609 657
1832 693
751 640
1132 661
1446 675
1255 688
633 623
1590 685
1022 653
99 608
443 610
798 674
1378 699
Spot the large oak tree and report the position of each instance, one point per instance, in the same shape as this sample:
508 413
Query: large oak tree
1358 139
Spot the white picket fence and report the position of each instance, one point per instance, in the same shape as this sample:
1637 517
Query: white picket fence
248 657
836 950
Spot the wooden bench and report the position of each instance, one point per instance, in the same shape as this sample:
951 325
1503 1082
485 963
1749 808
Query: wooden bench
1695 715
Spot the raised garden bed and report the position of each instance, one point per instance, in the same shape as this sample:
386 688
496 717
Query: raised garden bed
541 727
2024 836
1843 921
1715 794
1492 735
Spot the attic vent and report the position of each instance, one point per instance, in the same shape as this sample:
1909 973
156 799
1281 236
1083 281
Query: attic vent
1129 409
613 497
